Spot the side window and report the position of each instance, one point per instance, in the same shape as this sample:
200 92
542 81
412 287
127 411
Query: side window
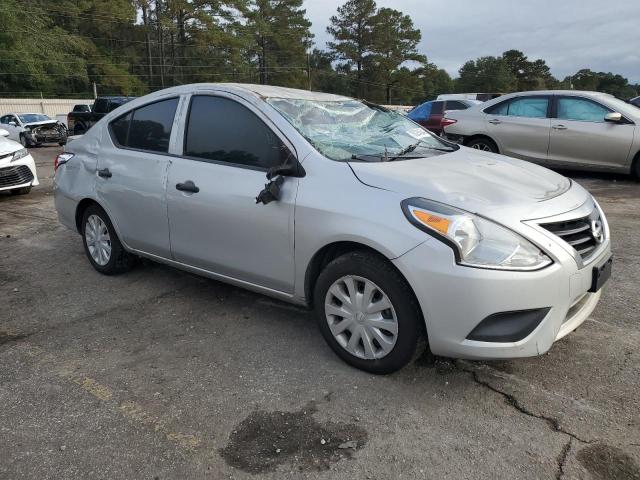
4 119
437 108
421 112
145 128
529 107
150 127
532 107
581 109
120 129
455 105
499 109
223 130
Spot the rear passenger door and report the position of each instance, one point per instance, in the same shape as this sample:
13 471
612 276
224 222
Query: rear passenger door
215 222
520 126
132 172
581 137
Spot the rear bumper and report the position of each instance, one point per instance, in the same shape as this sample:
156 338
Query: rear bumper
455 299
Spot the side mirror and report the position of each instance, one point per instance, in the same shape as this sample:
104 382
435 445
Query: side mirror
614 117
271 191
13 124
3 133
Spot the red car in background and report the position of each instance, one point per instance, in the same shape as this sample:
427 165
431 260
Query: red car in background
430 114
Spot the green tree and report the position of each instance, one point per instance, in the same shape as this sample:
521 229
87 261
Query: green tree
486 74
281 41
530 75
352 29
394 42
435 81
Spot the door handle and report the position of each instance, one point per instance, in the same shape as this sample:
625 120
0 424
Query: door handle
559 127
187 186
104 173
495 121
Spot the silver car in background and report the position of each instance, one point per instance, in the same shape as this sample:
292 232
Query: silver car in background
391 234
565 129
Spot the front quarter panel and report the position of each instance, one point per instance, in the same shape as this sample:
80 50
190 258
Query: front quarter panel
334 206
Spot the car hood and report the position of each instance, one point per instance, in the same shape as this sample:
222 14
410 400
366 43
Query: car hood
469 179
44 122
8 146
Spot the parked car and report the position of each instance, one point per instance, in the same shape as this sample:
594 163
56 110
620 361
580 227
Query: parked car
635 101
430 114
33 129
17 168
79 121
481 97
390 233
570 129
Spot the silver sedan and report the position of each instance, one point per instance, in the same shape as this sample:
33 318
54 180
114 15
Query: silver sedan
395 237
568 129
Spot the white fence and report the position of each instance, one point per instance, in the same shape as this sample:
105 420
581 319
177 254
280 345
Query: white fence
48 106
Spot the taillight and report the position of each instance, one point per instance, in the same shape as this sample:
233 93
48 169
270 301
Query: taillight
61 160
445 122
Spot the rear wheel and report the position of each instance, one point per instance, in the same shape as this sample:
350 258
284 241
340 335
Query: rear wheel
101 243
484 144
367 313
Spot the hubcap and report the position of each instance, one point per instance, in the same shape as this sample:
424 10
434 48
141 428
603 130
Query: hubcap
361 317
98 240
481 146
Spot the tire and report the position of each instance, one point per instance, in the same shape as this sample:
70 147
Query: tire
21 191
635 170
118 259
362 267
23 140
484 144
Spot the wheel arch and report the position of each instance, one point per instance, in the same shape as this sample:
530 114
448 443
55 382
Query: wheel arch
332 251
484 136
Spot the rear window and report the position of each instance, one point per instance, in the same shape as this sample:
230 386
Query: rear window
455 105
146 128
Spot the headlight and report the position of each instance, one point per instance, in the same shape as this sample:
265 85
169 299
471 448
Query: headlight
477 242
20 154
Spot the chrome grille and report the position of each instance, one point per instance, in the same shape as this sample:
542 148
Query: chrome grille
580 233
17 175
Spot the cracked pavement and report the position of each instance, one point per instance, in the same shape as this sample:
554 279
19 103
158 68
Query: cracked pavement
162 374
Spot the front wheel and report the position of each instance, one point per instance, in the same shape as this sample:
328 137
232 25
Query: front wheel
367 313
23 140
484 144
101 243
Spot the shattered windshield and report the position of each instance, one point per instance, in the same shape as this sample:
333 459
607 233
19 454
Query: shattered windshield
351 129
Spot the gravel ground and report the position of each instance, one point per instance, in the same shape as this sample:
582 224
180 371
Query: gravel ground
160 374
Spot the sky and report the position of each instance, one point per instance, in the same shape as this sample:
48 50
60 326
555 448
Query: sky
568 34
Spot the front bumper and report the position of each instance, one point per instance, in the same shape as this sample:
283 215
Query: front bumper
18 174
455 299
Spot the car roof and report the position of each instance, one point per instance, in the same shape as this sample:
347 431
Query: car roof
582 93
258 91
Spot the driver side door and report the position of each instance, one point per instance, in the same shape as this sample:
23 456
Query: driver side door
214 220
